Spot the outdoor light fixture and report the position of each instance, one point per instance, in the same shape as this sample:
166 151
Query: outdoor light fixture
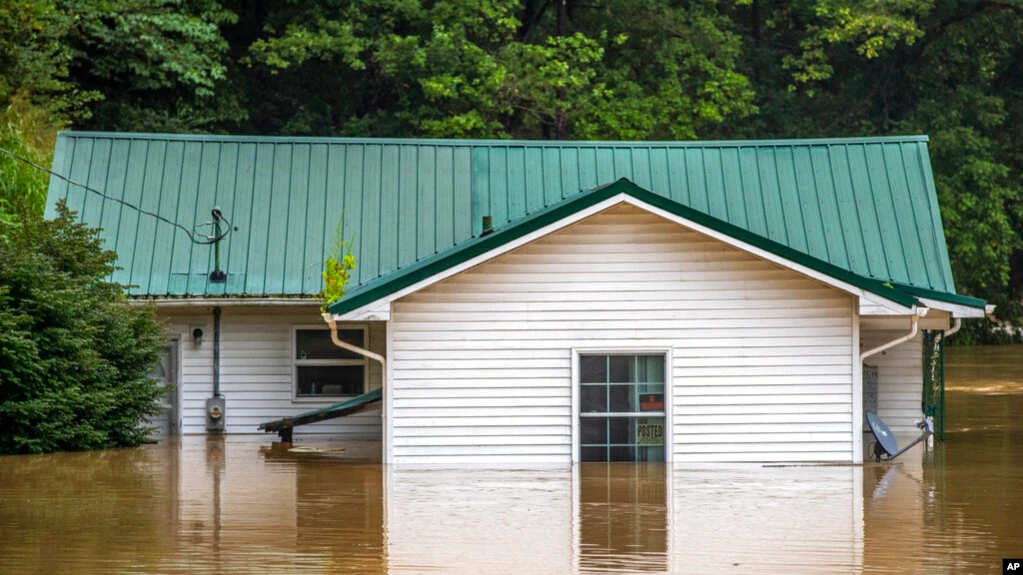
197 336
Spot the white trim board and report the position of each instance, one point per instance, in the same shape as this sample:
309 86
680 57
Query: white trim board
857 390
955 309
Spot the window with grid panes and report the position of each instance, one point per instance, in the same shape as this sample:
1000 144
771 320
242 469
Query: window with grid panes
621 407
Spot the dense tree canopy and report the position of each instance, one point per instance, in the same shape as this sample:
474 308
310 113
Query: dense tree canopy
75 357
576 69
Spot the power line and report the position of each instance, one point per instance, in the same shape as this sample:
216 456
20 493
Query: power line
192 234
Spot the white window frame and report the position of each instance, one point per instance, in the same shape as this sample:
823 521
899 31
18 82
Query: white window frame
296 363
669 362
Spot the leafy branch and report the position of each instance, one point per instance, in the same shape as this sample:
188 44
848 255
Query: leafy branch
337 270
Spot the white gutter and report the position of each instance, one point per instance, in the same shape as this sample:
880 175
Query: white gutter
329 318
915 319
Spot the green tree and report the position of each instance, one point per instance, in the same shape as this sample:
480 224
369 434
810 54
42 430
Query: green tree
137 65
26 131
35 97
75 356
619 69
152 65
950 70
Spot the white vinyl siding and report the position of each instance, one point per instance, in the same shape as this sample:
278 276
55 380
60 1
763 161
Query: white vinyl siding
762 356
256 374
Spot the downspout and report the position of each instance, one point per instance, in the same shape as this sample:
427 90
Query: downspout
216 351
914 329
329 318
957 323
216 405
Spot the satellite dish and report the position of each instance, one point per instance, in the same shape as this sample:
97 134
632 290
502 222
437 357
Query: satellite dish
885 444
884 436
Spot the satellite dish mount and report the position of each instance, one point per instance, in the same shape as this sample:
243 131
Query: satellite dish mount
217 275
886 448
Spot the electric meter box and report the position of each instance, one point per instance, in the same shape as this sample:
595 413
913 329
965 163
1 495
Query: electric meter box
216 413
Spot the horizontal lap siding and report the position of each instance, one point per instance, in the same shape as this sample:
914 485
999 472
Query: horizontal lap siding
780 397
482 361
256 372
899 378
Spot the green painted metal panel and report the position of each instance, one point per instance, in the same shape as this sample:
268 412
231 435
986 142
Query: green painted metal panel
791 208
809 204
865 205
387 244
827 205
367 218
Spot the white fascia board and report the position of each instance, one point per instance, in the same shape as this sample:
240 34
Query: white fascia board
955 309
870 308
482 258
377 311
764 254
873 304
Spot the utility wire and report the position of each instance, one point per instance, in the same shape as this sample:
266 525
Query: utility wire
192 234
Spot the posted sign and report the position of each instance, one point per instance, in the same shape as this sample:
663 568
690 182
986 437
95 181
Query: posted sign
650 433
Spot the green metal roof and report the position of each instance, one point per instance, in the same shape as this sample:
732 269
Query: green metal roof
866 205
430 267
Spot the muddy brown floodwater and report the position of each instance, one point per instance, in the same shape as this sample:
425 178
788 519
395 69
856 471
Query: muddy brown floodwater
240 506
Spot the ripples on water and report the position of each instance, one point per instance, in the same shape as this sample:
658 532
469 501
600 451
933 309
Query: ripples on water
241 507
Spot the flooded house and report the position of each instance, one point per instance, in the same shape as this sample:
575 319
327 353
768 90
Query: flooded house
535 302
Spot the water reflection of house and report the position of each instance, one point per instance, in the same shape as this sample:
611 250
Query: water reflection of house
623 518
768 520
329 515
538 301
895 502
277 510
627 519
